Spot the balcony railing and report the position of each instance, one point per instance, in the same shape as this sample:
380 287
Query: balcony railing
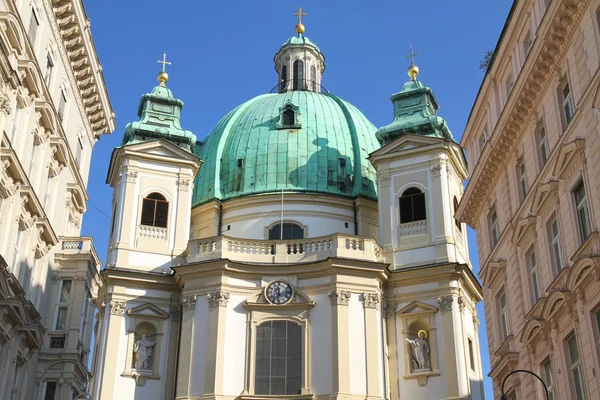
285 251
413 228
75 244
153 232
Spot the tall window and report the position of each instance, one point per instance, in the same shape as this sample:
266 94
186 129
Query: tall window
64 300
288 117
290 232
79 151
313 77
278 358
583 217
34 23
542 142
503 315
575 368
456 221
14 125
298 75
155 211
49 68
284 78
16 256
471 354
527 42
509 85
84 317
566 101
533 274
554 236
62 104
522 177
50 392
494 228
548 378
412 206
482 140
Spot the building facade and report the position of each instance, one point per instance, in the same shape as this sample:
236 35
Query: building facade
533 143
295 252
53 108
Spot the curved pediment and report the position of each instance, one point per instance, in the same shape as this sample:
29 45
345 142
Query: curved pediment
555 301
33 80
581 269
12 36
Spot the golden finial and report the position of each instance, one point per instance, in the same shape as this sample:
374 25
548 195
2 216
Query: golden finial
163 77
300 27
413 70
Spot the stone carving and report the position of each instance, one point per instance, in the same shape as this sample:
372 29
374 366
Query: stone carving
184 184
461 303
420 352
117 307
436 169
385 177
340 297
143 351
217 299
445 302
132 176
371 300
188 302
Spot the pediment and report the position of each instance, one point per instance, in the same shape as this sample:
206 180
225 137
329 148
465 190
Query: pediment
416 308
494 269
406 142
148 311
161 148
522 228
544 193
566 156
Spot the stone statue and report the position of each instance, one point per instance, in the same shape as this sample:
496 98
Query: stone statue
143 351
420 351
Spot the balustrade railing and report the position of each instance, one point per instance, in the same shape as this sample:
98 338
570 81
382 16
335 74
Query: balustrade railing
153 232
413 228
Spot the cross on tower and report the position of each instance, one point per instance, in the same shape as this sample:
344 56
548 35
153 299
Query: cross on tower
412 56
299 14
164 61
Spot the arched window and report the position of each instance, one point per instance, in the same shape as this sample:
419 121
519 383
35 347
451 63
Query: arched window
155 210
313 78
298 75
278 358
283 78
290 232
412 206
456 221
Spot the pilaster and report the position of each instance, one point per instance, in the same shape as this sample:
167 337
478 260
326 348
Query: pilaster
341 342
372 344
182 386
115 321
215 347
449 342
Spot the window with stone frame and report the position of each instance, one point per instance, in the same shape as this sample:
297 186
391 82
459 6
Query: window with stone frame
34 23
582 210
278 358
298 83
527 43
542 145
284 78
548 379
313 77
503 315
471 355
555 244
483 138
62 104
534 276
575 371
456 221
522 179
49 69
289 231
155 210
412 206
50 390
566 102
64 302
494 228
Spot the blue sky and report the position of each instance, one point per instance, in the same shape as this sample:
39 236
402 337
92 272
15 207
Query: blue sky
222 54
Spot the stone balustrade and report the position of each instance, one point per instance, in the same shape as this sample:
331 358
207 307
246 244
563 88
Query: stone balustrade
285 251
413 228
77 244
152 232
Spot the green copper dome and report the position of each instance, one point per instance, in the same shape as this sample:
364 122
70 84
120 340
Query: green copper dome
300 40
298 141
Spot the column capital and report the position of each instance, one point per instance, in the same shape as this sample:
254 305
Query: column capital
340 297
371 300
445 302
117 307
218 298
188 302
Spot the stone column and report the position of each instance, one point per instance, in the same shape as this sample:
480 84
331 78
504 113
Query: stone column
340 343
115 320
449 344
182 386
215 346
372 344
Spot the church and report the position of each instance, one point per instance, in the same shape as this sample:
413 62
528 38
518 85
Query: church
295 252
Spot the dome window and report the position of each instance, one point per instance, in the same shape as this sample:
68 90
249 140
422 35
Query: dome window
284 79
288 117
289 231
313 78
298 75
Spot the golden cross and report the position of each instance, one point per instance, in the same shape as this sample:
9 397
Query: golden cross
299 14
412 56
164 61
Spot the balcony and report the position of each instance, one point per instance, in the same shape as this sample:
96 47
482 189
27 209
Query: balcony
78 248
285 251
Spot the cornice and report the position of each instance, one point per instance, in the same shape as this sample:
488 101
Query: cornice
532 84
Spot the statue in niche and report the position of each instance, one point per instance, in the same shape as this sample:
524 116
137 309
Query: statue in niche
420 351
143 351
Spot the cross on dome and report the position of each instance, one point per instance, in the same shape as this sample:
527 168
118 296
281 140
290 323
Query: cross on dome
163 77
300 27
413 70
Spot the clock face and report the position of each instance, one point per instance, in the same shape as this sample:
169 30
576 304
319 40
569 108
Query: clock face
279 292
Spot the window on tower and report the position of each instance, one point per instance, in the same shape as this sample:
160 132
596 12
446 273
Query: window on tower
298 75
290 231
456 221
284 79
313 78
412 206
155 210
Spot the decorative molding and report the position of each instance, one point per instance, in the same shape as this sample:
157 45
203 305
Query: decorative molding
132 176
445 302
184 184
218 298
117 307
436 169
371 300
340 297
188 302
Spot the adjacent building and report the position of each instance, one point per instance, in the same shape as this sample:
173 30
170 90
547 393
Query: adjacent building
533 144
53 108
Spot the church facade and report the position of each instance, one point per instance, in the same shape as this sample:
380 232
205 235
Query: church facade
296 252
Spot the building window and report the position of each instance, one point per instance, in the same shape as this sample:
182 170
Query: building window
57 342
547 367
79 151
298 75
566 101
575 368
284 78
533 274
503 315
14 125
278 358
583 219
554 236
62 104
313 77
494 228
542 142
288 117
289 231
522 178
155 210
509 85
412 206
50 390
482 140
84 318
471 354
64 301
456 221
34 23
49 68
527 42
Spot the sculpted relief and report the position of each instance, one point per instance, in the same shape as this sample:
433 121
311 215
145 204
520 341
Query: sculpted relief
420 351
142 350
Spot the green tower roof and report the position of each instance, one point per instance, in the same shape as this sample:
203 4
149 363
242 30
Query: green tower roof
160 114
415 112
324 150
300 40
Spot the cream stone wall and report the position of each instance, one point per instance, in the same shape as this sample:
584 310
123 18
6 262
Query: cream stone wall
565 49
50 119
